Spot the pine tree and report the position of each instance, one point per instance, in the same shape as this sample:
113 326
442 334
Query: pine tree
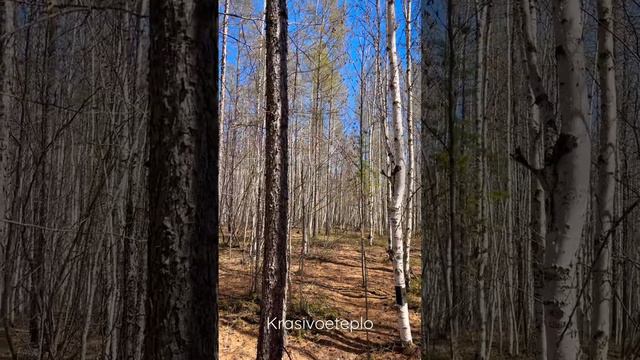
183 216
275 267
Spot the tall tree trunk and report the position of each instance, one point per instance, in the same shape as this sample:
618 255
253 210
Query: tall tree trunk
128 324
223 96
410 144
7 27
275 268
362 198
328 207
39 267
602 295
182 313
541 107
398 179
451 240
569 184
509 232
482 13
6 58
424 136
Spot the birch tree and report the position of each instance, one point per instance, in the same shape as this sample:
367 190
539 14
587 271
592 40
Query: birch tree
568 180
275 267
398 177
607 163
183 215
411 167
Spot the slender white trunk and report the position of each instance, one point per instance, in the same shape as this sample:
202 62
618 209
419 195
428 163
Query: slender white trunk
606 184
398 179
223 66
569 184
410 144
222 99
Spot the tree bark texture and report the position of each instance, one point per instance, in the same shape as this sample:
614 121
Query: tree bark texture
607 163
569 185
398 179
275 267
182 284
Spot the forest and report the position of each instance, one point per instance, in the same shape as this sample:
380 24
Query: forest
319 179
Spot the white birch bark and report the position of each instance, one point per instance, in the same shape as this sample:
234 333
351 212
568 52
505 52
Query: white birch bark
410 144
606 184
398 179
569 184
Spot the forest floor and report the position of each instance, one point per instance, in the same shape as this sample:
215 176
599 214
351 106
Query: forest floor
332 288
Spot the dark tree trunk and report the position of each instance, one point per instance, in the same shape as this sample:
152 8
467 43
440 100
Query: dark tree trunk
6 55
182 320
274 274
38 319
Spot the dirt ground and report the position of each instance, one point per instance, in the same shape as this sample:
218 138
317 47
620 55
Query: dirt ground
332 288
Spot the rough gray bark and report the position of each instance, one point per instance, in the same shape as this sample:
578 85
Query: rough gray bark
6 241
451 149
275 266
182 320
6 55
513 346
602 294
6 24
569 185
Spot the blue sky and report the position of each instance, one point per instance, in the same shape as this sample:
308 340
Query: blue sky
353 42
